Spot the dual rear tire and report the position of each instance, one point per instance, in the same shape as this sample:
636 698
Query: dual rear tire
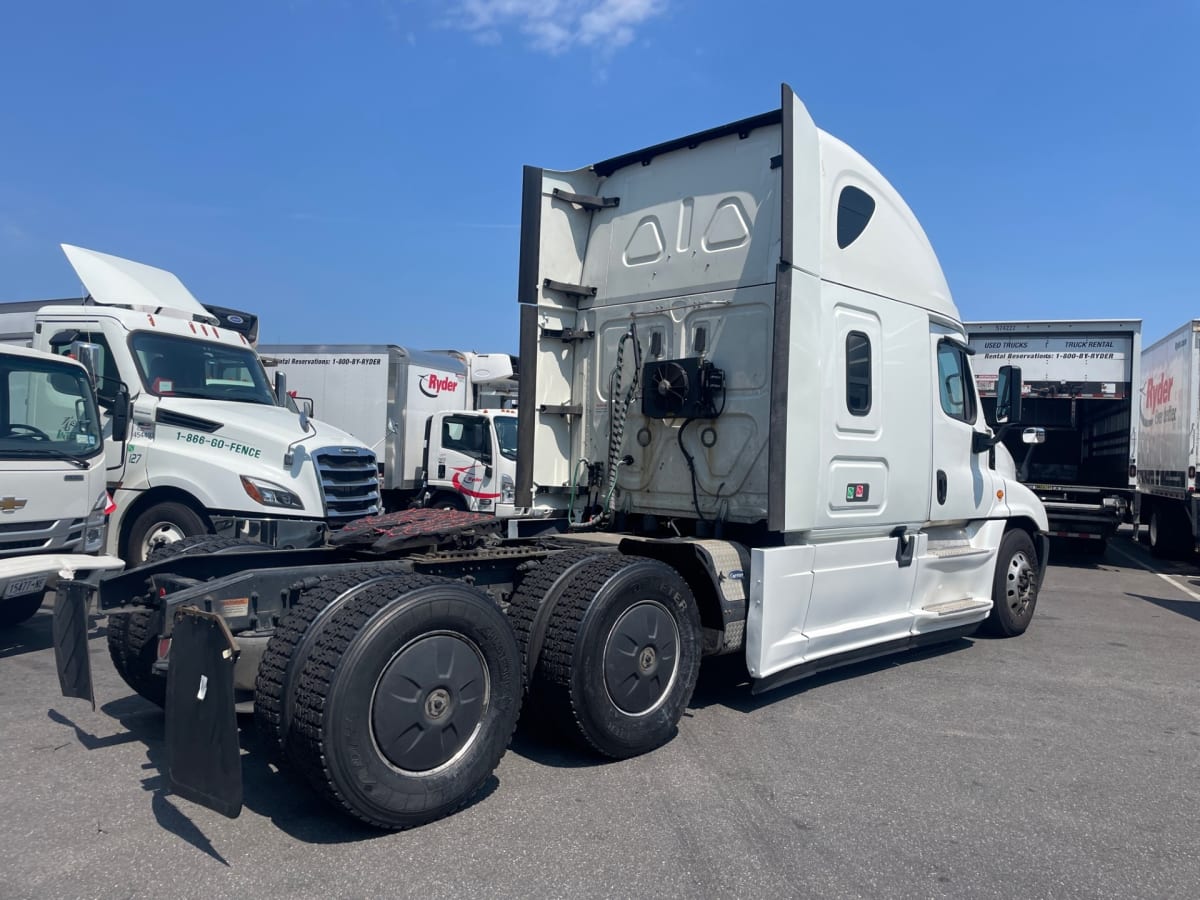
398 699
621 655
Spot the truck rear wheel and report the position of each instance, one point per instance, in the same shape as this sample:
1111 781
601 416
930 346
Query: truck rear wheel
1014 586
542 587
161 525
287 650
622 655
407 701
16 610
1169 533
133 637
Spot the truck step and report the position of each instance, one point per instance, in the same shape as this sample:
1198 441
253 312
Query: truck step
950 549
952 607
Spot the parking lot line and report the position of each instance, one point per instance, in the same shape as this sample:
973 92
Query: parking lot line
1149 568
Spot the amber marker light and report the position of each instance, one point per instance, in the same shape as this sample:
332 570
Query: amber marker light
999 495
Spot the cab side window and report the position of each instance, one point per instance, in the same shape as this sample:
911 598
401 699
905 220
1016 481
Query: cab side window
955 387
466 435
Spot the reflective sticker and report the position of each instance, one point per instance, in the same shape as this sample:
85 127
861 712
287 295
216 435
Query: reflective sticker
203 687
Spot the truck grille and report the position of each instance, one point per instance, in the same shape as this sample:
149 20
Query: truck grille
349 482
52 536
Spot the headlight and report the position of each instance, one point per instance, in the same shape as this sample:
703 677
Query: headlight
95 529
269 494
507 490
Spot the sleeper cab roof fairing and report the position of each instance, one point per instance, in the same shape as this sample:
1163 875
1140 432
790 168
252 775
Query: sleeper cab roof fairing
892 256
113 281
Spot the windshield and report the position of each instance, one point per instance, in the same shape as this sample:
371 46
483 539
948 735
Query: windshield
46 409
180 367
506 435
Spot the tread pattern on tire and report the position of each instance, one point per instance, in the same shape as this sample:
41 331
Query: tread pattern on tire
270 680
553 682
525 602
306 741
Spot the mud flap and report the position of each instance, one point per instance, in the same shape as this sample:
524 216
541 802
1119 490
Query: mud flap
70 629
203 755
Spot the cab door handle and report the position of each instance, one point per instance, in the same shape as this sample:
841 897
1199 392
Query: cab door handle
941 487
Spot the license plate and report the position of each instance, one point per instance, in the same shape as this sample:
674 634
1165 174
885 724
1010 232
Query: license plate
30 584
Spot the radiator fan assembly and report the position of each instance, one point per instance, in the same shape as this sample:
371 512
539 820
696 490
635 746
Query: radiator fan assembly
682 389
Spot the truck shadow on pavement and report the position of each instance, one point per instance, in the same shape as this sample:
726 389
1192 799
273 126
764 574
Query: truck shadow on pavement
290 804
1188 608
724 681
33 635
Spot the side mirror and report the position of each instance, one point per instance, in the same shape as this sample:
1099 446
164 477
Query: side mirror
119 414
88 355
1008 395
306 405
1033 436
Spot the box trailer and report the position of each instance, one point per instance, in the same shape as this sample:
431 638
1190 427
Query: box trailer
437 420
745 384
1080 386
1169 449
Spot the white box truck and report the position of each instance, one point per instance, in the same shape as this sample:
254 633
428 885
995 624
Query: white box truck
1168 445
1080 386
53 501
741 364
440 422
211 450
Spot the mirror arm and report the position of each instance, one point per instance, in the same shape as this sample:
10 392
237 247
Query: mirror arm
981 442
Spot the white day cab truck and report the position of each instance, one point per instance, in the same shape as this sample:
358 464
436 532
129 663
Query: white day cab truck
211 449
1080 386
1169 443
53 501
744 382
440 423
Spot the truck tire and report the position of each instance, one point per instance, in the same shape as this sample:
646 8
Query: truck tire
407 701
272 684
160 525
543 585
133 637
1169 533
448 500
621 657
16 610
1014 586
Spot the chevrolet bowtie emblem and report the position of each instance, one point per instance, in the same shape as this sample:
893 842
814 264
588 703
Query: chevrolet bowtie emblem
11 504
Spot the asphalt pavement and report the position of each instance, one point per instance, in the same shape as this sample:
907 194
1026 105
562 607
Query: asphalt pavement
1064 763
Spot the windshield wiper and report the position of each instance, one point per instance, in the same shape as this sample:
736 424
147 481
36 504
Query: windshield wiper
46 452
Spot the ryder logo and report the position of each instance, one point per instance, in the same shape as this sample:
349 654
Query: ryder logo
1158 392
432 385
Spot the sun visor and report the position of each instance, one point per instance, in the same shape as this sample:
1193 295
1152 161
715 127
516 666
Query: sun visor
113 281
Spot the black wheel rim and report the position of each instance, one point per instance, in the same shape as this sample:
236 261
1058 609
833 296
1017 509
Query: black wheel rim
429 702
641 658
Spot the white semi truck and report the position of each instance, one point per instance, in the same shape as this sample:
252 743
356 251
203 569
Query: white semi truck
1169 442
440 422
210 450
745 383
1080 384
53 501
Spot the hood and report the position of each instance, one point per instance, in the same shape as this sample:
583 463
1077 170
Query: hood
112 281
270 426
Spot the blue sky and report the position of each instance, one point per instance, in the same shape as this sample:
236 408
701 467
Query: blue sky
351 170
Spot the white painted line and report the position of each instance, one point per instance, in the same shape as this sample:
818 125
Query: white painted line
1167 578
